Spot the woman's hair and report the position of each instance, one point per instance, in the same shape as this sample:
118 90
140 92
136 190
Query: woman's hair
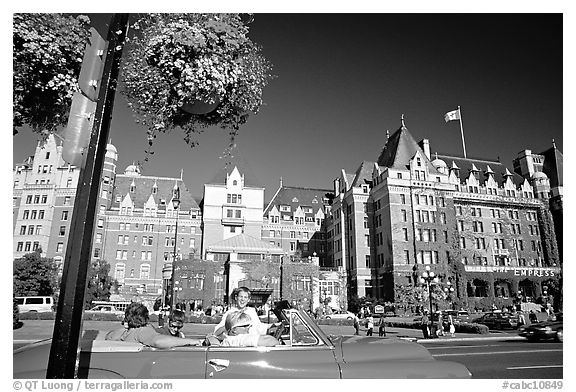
136 315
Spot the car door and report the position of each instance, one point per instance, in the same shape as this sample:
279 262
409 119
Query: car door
305 355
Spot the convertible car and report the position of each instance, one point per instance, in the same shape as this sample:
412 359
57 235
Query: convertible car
306 352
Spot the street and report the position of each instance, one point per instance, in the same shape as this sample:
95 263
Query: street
503 359
500 355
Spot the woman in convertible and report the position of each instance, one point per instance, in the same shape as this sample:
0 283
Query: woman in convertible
138 330
241 297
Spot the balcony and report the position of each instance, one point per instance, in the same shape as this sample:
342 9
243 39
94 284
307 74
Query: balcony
232 221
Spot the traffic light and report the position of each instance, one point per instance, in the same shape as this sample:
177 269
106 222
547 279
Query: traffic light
76 135
92 65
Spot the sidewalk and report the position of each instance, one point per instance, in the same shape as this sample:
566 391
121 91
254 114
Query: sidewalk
34 330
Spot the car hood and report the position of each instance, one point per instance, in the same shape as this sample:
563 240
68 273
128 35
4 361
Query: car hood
373 357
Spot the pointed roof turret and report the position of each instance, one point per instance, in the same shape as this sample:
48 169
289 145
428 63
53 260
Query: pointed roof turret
400 149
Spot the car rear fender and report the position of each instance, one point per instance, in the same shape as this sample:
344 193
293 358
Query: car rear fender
405 369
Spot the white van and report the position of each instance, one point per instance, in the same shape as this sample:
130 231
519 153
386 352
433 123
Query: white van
35 304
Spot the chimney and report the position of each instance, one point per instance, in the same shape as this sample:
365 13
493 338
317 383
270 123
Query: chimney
425 146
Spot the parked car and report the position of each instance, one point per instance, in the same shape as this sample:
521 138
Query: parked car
458 316
339 315
35 304
105 309
545 330
499 320
305 352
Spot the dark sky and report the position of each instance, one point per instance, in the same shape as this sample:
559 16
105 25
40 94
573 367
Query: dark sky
344 79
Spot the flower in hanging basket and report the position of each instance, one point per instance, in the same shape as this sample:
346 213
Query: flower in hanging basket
47 57
192 71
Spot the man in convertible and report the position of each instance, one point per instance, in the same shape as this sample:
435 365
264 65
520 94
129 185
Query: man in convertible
237 326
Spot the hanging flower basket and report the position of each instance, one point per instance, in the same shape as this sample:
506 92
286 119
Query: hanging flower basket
46 57
192 71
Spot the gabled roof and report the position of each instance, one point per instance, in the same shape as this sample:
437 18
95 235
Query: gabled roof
144 185
466 164
363 174
297 196
400 149
243 243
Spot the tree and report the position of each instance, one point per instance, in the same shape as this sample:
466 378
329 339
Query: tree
35 275
47 57
99 283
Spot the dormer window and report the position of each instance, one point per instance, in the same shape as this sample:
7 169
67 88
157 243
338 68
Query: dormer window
418 162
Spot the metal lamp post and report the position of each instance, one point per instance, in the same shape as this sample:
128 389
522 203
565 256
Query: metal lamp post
429 277
175 204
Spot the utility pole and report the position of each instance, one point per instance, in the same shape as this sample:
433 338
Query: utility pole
63 360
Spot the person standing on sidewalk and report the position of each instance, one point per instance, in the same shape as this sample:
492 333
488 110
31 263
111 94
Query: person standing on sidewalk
369 325
356 325
451 326
424 325
381 327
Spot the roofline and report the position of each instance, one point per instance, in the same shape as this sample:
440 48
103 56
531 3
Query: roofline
470 159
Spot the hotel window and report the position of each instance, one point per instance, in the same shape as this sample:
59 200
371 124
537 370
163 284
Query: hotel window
64 215
44 199
399 176
25 214
443 218
119 271
292 246
29 199
406 257
96 253
27 247
403 199
292 234
478 227
59 247
66 200
365 222
62 231
405 233
404 216
462 243
192 243
458 210
38 230
366 239
446 236
461 225
31 230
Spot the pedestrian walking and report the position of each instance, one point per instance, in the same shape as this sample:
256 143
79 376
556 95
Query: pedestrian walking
424 325
369 325
382 327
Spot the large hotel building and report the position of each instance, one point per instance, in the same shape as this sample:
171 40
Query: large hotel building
488 231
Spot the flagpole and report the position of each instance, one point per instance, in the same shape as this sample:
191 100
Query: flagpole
462 130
